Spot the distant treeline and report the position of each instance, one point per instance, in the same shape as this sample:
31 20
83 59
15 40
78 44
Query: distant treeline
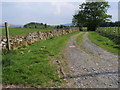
36 25
62 27
43 26
110 24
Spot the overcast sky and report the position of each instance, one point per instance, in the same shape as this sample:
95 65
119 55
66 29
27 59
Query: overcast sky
45 12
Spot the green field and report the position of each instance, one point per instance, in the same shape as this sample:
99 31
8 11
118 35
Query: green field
103 42
31 65
110 30
113 33
22 31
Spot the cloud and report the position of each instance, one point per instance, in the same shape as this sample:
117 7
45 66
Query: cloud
42 0
113 10
46 12
53 0
23 12
61 6
58 8
0 12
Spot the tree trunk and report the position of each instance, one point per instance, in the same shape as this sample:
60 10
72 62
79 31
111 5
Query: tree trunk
91 28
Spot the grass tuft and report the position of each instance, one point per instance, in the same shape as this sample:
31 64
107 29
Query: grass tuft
79 39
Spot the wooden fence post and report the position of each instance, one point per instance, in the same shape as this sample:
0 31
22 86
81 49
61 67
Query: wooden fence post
7 36
118 28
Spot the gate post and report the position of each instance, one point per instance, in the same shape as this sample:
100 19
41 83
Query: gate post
7 36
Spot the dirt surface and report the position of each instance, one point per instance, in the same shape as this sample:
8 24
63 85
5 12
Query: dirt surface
91 66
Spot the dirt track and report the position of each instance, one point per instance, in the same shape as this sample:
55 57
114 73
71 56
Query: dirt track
92 67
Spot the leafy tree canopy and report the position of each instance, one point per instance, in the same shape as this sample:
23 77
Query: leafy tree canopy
91 14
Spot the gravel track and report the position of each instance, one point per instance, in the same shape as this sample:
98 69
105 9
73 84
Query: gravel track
92 66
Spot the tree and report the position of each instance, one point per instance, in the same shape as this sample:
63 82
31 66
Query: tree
57 27
91 14
61 26
45 25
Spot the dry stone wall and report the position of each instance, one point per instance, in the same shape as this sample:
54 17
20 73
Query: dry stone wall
18 41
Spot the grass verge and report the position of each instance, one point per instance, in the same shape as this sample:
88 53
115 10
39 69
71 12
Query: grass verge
104 42
79 39
30 66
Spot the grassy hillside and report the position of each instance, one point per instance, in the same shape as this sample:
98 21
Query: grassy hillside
30 66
